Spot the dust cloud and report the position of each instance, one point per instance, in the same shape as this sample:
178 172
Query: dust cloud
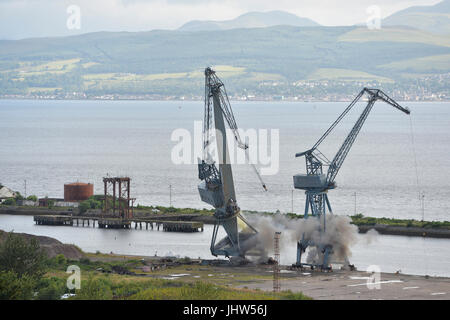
339 233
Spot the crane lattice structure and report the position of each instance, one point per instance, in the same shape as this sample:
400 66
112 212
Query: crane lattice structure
316 184
217 186
276 265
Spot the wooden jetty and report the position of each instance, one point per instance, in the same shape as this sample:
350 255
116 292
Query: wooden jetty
53 220
114 223
182 226
119 223
169 226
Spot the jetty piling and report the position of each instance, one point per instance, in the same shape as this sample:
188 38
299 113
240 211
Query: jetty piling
118 223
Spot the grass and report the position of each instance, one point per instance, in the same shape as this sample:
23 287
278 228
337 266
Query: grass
53 67
264 76
439 63
206 291
394 34
361 220
96 285
345 75
172 210
89 64
435 22
170 63
224 70
42 89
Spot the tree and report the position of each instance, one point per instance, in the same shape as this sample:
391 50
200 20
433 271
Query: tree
21 256
13 287
51 288
83 206
50 203
18 196
95 289
91 203
9 202
32 198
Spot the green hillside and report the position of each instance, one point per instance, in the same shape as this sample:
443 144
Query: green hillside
434 19
251 20
261 61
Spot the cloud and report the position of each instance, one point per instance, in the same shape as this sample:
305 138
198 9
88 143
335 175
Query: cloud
38 18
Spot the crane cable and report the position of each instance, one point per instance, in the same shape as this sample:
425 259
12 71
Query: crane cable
415 156
425 252
255 169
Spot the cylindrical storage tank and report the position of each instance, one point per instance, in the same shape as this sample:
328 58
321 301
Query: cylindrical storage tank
78 191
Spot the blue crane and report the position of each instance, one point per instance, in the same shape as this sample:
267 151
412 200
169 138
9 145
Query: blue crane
316 183
217 186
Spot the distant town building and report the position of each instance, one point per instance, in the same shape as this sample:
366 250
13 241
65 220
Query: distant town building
57 202
24 202
44 202
6 193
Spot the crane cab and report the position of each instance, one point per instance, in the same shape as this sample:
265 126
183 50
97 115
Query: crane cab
211 194
311 181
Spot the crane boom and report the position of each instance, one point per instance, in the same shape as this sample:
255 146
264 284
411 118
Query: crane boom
335 123
217 186
374 95
215 89
316 184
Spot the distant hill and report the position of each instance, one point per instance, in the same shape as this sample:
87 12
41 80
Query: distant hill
251 20
256 61
435 19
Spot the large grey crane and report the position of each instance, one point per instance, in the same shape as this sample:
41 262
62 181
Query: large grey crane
316 184
217 186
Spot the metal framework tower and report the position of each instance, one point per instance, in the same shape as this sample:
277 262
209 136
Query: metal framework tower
118 204
276 266
316 184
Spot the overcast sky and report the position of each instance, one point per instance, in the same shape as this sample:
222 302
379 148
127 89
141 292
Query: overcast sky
41 18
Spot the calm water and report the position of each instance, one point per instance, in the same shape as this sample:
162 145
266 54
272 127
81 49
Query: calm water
391 253
50 143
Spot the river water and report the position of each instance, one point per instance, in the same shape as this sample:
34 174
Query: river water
394 159
411 255
49 143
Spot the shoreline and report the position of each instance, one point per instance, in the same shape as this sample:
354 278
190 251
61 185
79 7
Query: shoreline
200 99
382 229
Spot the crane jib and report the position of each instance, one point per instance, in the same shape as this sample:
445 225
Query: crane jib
313 156
215 87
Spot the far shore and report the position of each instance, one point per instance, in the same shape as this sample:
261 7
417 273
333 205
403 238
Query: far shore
384 229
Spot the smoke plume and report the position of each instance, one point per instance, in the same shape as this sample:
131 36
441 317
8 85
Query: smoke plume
339 233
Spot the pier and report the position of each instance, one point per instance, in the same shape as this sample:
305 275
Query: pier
53 220
185 226
119 223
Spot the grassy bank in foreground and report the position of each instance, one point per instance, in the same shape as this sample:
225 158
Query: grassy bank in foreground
26 273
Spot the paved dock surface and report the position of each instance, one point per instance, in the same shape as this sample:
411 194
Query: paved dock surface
347 285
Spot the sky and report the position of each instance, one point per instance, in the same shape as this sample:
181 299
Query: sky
43 18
